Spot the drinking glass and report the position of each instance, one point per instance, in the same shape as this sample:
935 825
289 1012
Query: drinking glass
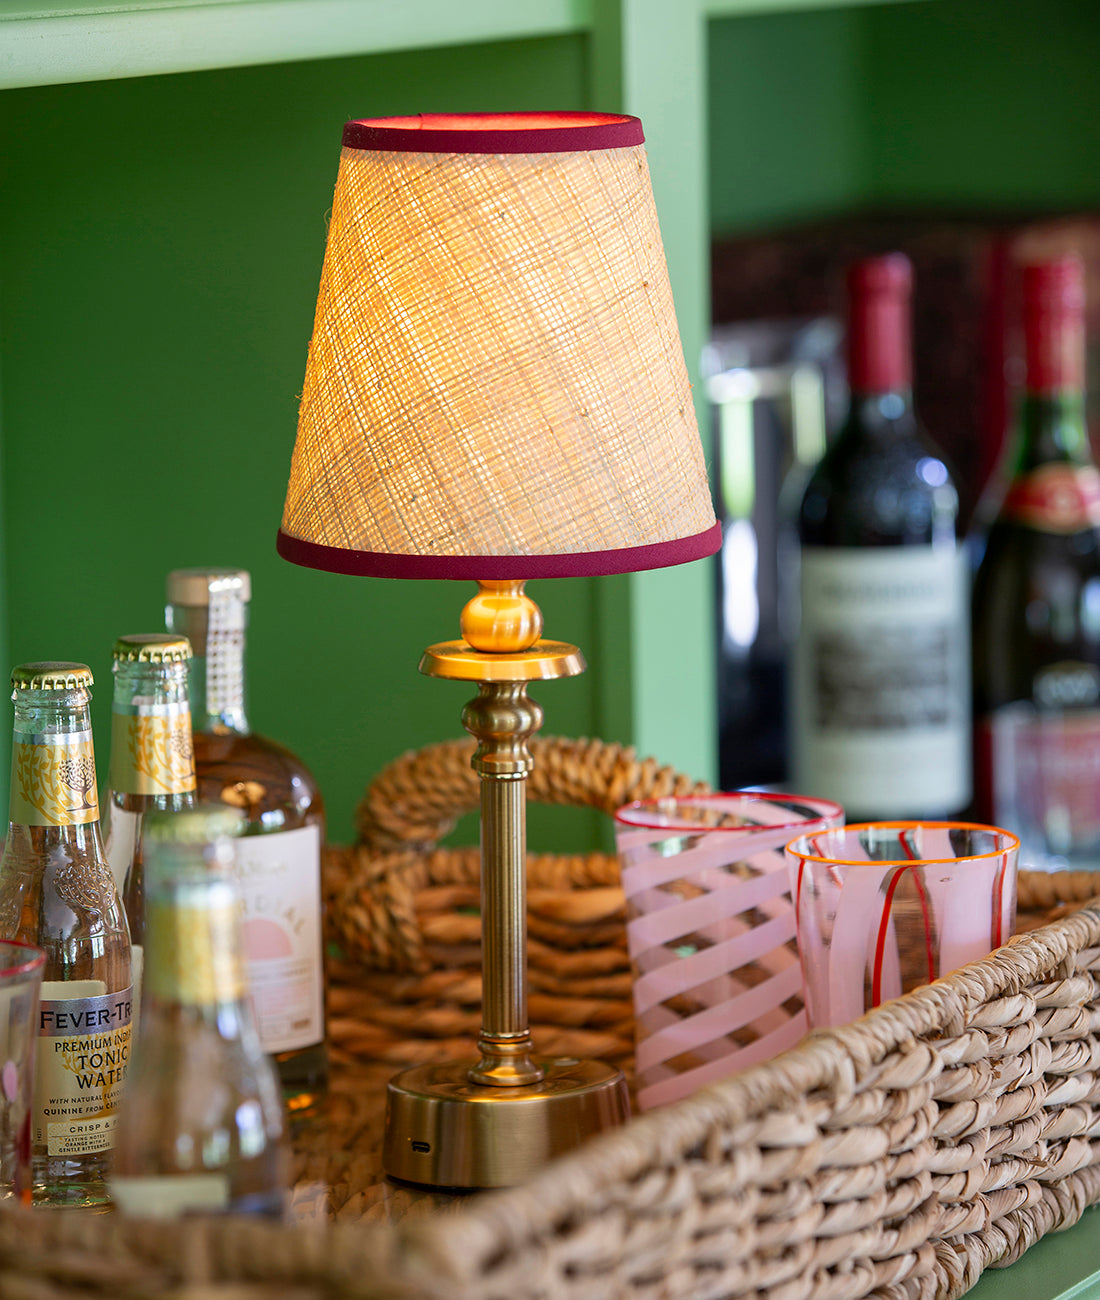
20 984
710 931
883 907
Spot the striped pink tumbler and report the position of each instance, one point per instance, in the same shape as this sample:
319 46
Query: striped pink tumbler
717 985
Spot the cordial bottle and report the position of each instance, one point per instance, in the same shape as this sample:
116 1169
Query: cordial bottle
201 1127
1036 607
57 892
279 856
880 701
152 761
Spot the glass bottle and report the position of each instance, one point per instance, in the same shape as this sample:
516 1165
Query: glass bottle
1036 606
201 1127
881 700
152 761
279 856
57 892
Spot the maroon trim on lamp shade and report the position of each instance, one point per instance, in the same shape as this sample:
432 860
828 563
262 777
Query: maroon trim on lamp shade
494 132
580 564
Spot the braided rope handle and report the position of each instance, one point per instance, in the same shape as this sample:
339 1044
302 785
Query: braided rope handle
416 800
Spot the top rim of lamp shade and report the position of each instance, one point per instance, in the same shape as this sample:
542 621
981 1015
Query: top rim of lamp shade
490 133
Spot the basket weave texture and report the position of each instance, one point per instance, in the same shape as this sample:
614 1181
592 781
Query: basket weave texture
895 1157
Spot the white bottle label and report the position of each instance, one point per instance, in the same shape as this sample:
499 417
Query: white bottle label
122 829
881 680
280 881
170 1196
83 1051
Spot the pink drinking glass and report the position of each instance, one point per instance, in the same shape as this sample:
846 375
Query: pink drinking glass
710 930
884 907
20 984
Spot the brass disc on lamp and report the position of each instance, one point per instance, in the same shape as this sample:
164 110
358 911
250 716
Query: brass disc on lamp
495 391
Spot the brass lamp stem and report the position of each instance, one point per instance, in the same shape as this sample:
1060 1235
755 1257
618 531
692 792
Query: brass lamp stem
502 719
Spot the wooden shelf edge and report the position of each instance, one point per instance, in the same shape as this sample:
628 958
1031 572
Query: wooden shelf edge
50 44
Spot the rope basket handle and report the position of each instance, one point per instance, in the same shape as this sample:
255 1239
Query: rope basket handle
416 800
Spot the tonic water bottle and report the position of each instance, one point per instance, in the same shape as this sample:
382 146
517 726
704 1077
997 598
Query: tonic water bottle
57 892
201 1129
152 761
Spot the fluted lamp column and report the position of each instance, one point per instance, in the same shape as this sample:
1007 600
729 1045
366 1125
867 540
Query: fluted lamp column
495 391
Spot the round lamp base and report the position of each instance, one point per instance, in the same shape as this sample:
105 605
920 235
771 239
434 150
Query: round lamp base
444 1131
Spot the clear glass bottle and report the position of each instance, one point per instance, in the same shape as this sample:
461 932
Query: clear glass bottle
152 761
881 693
201 1128
1036 606
57 892
279 856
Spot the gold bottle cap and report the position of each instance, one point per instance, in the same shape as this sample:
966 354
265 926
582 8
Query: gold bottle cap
152 648
193 586
51 675
200 825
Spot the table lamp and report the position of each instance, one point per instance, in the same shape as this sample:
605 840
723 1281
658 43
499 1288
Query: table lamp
496 391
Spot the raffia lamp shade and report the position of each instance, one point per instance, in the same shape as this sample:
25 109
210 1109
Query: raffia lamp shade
495 386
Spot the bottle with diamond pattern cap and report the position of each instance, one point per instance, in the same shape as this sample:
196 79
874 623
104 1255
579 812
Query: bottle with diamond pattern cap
279 854
57 892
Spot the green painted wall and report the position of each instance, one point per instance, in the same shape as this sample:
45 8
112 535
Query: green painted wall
939 103
160 250
787 135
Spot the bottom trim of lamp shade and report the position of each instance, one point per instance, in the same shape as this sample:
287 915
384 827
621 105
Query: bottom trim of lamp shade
579 564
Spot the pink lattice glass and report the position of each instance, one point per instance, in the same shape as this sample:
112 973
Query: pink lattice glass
711 933
883 908
20 984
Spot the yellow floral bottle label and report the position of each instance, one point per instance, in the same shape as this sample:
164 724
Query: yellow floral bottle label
53 779
151 749
194 943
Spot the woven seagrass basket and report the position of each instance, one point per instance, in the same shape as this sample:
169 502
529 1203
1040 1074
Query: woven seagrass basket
896 1157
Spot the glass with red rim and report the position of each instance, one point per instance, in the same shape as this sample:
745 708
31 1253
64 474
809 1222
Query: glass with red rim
884 907
21 969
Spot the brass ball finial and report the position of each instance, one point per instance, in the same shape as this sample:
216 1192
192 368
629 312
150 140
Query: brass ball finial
501 619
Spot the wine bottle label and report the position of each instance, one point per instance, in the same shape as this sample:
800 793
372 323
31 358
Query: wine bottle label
194 948
53 779
170 1196
1044 777
151 749
83 1051
880 682
1056 498
280 881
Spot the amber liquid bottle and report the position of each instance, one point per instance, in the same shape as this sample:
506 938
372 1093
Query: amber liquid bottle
279 855
57 892
880 702
1036 605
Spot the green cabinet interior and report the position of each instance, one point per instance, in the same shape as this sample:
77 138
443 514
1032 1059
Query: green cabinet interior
161 239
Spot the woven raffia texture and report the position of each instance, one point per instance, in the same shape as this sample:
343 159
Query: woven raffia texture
896 1157
407 911
495 366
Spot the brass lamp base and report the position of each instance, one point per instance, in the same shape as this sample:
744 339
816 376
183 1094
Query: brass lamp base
444 1131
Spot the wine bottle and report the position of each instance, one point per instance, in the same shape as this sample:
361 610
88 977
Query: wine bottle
201 1127
57 892
152 762
1036 605
279 856
880 682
